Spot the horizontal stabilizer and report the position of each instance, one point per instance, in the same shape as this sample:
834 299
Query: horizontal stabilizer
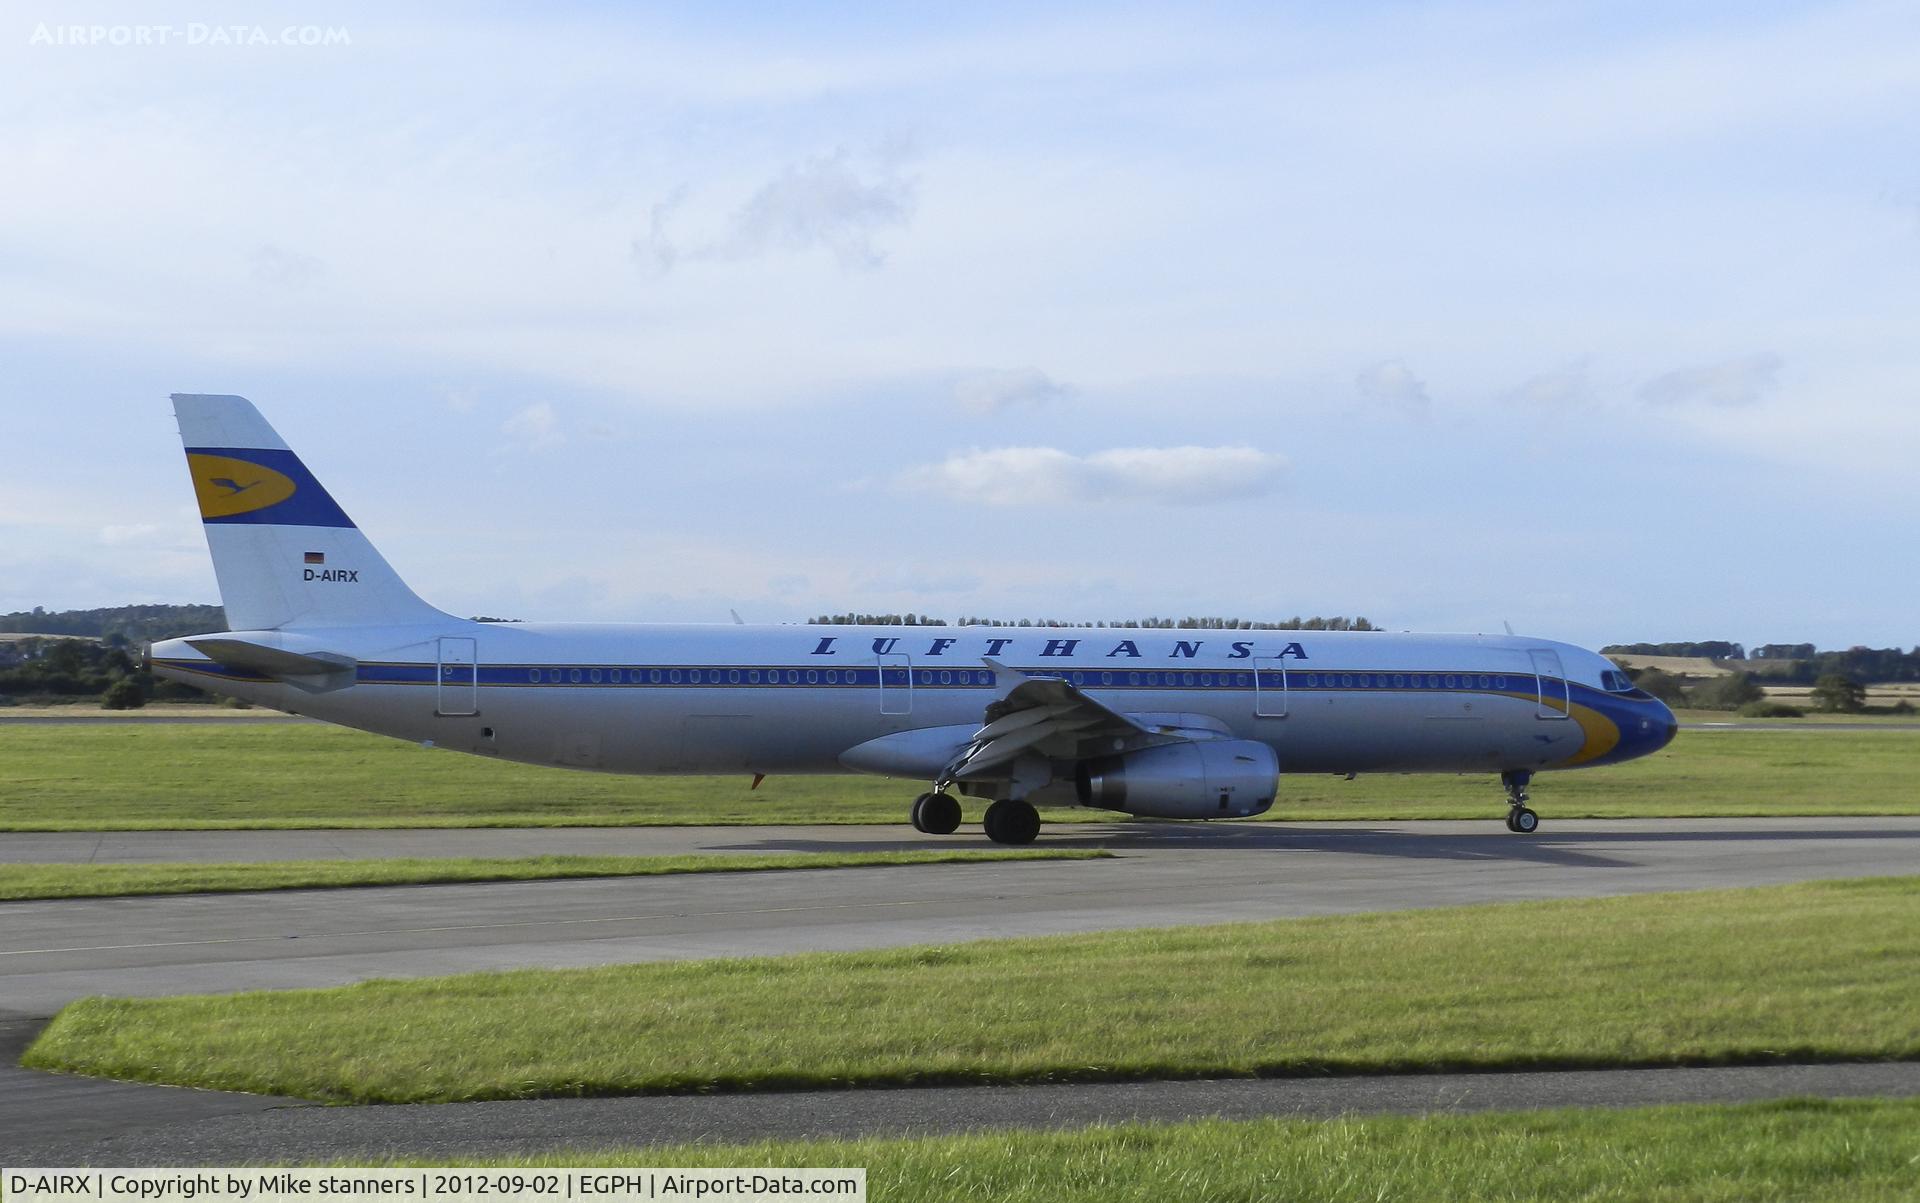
315 672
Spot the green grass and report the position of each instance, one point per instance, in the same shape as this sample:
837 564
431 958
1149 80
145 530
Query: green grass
128 777
1804 972
1813 718
1809 1151
25 881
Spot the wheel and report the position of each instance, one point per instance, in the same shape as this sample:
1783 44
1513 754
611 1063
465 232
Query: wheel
917 814
1523 820
1011 822
1509 821
939 814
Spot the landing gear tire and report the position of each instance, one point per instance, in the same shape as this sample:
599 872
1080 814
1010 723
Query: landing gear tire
936 814
1520 820
1012 822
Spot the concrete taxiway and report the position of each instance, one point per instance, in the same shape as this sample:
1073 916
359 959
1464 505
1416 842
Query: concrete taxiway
52 952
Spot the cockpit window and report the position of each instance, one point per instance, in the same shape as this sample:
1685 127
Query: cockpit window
1614 681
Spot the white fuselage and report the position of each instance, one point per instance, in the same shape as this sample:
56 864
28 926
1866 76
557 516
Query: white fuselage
806 699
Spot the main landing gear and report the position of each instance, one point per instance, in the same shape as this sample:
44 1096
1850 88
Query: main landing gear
1520 818
935 814
1009 821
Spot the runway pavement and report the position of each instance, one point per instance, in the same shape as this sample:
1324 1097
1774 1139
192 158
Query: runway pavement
52 952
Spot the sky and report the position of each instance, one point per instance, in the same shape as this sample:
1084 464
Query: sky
1594 319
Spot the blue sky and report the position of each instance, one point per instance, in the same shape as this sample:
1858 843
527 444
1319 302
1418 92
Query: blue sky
1595 319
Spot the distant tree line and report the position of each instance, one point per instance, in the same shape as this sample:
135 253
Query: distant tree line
96 653
58 666
1337 623
1712 649
118 626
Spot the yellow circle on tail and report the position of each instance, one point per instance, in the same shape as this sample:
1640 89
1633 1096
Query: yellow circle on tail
227 486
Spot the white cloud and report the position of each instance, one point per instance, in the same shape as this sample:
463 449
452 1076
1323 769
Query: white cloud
1731 382
1049 476
1393 382
822 202
534 427
991 392
1564 387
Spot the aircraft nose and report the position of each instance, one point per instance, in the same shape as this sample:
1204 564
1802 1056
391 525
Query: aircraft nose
1665 724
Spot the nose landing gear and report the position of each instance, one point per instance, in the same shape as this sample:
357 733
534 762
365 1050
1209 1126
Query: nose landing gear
1520 818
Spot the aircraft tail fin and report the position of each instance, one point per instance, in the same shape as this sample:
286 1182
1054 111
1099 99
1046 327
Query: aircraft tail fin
285 553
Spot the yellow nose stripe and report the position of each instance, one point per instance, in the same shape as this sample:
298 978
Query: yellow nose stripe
227 486
1601 734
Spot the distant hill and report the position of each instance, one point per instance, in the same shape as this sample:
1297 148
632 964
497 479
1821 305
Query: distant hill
131 624
1773 663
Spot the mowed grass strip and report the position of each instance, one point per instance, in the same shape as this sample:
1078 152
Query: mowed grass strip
1860 1152
1814 972
126 777
45 881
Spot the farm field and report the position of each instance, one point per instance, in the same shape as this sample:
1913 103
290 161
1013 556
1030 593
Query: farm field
183 776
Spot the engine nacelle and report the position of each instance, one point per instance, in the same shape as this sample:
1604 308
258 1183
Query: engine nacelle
1206 779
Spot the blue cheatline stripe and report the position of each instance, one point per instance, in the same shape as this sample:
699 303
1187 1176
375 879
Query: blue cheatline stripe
308 505
1297 681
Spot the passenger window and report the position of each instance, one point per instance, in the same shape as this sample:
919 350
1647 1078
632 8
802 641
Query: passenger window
573 675
533 674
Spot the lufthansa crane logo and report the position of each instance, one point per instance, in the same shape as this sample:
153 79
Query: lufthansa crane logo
226 486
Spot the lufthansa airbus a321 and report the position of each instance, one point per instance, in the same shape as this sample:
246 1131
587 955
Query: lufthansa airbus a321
1180 724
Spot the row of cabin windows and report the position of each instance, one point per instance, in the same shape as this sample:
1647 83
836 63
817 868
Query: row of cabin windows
1199 680
741 676
1294 678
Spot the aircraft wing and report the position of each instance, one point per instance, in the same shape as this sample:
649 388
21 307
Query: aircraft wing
1051 717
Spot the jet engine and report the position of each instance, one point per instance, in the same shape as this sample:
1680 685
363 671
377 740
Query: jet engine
1203 779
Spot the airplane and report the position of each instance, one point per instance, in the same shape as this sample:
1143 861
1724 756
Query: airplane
1147 723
